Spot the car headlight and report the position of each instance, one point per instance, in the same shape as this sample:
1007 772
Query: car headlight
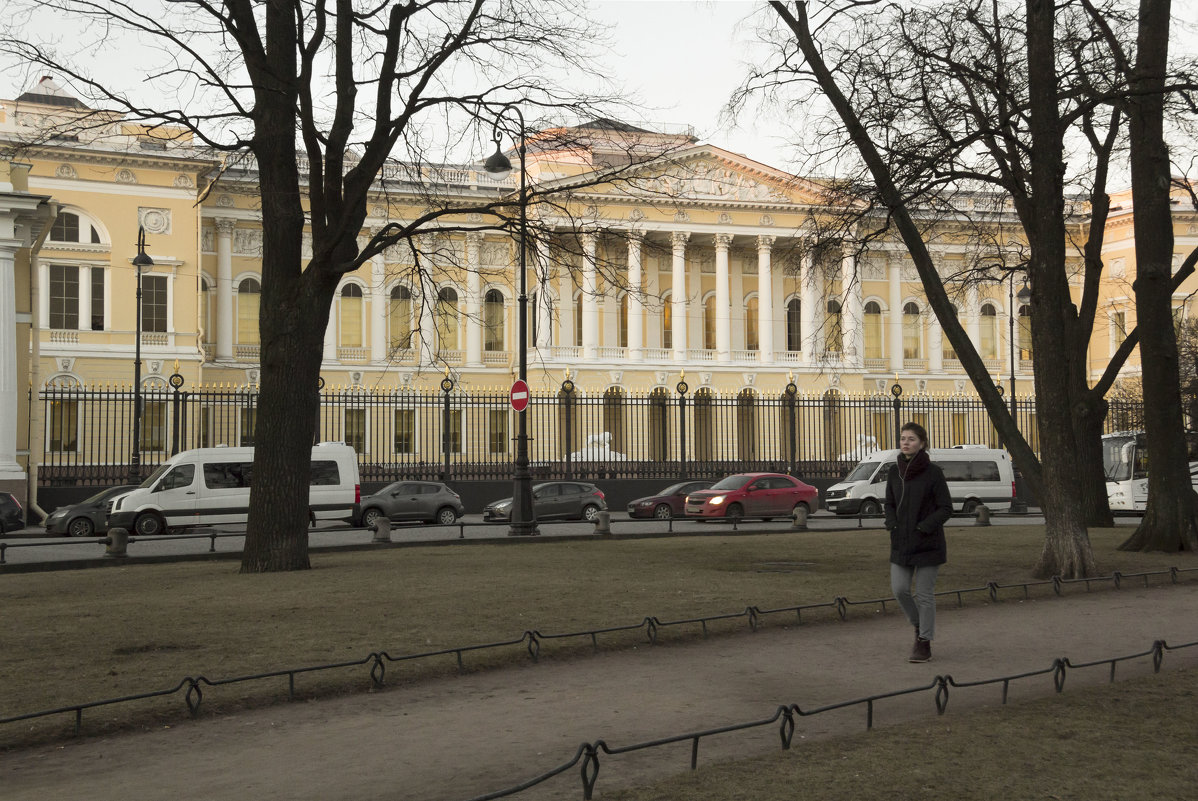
502 505
644 503
716 500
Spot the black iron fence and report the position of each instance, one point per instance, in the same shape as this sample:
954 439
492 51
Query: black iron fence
469 435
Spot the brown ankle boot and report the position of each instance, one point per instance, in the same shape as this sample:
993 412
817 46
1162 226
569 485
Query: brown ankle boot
922 651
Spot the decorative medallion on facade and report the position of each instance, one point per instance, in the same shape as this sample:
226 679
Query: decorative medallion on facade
225 201
378 211
1118 268
705 379
959 386
155 221
251 376
767 220
184 182
247 242
636 215
66 365
750 378
661 376
65 171
681 216
725 218
125 176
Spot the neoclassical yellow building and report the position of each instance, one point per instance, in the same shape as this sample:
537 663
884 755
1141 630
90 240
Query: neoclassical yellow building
705 263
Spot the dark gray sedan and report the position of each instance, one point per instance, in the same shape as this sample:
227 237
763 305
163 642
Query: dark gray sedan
425 501
87 518
555 500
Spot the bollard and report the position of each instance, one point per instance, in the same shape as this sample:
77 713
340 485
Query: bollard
800 518
603 524
118 544
981 515
382 529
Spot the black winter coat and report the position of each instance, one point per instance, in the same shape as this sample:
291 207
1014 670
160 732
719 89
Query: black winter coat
916 510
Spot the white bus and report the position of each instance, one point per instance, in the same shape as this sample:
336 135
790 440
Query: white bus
1125 462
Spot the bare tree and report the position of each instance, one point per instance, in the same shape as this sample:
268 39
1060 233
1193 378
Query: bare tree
328 98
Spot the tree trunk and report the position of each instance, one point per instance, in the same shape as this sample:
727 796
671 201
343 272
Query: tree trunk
1169 523
1089 415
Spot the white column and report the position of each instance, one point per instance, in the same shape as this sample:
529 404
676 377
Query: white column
590 299
224 289
85 299
9 468
852 317
895 323
723 307
474 300
810 312
935 346
972 316
765 301
428 328
379 323
544 310
678 297
636 305
332 331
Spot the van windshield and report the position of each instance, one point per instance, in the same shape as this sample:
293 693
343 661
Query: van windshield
862 471
157 474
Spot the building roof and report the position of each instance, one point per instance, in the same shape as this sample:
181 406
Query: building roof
47 92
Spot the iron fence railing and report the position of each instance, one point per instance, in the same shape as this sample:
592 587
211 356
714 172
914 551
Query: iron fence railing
192 687
469 436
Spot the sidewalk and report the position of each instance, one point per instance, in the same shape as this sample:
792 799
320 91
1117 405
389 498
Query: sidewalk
462 736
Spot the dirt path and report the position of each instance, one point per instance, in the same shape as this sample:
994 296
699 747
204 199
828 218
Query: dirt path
462 736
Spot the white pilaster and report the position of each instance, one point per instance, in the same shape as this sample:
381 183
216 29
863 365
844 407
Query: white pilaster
224 289
636 305
935 346
379 323
428 327
765 301
85 299
9 468
810 313
972 315
723 307
678 304
544 310
894 277
852 347
590 299
474 300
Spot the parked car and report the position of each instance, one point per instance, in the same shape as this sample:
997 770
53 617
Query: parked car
86 518
555 500
12 518
670 502
763 495
426 501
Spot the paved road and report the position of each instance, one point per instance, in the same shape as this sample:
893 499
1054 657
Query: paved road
463 736
32 545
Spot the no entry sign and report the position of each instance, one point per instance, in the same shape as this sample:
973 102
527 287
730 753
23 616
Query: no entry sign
519 395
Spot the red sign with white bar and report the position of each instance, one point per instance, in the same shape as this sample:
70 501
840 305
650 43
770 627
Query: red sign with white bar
519 396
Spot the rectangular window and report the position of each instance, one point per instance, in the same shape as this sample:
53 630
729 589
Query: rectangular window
498 431
204 428
325 474
355 429
960 422
405 430
153 303
64 297
153 426
1119 323
97 321
64 426
228 475
249 418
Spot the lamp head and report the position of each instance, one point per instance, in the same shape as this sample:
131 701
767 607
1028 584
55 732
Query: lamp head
1024 294
498 165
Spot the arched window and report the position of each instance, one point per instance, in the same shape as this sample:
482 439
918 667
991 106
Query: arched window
794 325
709 323
988 332
351 316
667 321
578 320
493 322
399 318
912 332
69 227
833 330
751 338
613 418
207 312
873 330
622 322
249 295
1025 332
446 316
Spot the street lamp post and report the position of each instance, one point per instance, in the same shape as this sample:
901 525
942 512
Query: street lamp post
139 261
524 519
1024 296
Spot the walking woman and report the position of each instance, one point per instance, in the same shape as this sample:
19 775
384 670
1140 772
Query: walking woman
917 506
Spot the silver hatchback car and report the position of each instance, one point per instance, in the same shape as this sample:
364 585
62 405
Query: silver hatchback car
425 501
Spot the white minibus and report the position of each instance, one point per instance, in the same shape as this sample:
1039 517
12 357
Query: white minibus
212 485
975 476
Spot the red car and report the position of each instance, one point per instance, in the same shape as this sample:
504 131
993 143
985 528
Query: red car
763 495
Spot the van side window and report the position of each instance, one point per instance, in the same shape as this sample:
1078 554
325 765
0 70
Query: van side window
983 471
178 478
228 475
324 474
955 471
883 474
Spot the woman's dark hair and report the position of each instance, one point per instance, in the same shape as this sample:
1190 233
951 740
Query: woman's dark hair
917 430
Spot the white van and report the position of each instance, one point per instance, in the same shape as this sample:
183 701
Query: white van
205 486
975 476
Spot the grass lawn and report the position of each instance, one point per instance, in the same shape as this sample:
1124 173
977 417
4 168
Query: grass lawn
78 636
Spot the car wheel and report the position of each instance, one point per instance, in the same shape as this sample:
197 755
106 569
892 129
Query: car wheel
447 516
81 527
735 512
663 511
590 512
800 505
149 524
870 507
370 516
970 506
